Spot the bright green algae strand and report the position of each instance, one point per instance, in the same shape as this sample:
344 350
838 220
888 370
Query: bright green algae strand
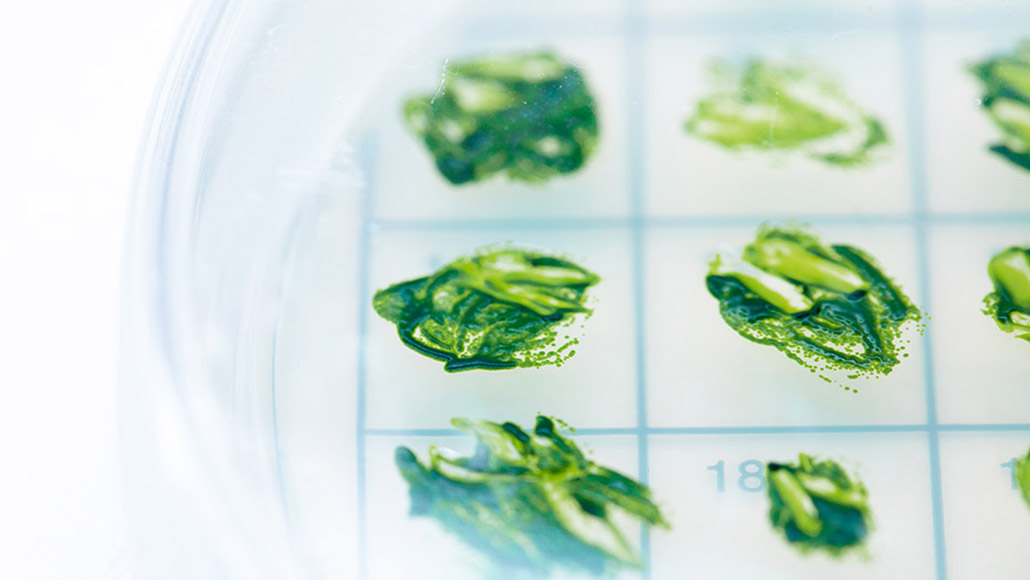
816 505
827 307
529 115
500 308
765 106
1006 97
530 501
1009 304
1023 476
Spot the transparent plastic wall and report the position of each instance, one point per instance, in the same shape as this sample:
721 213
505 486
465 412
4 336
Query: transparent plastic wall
251 143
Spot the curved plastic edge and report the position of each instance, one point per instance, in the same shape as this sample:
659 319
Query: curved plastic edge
166 485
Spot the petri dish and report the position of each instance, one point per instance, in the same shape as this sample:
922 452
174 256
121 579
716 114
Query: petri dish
279 189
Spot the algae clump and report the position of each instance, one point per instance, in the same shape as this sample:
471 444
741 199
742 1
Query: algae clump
827 307
530 501
765 106
1009 304
528 115
500 308
816 505
1006 97
1023 476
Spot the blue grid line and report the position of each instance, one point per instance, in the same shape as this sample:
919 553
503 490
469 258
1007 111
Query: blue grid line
699 221
747 430
636 117
988 428
368 155
911 36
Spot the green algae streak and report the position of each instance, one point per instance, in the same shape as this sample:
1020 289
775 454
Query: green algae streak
827 307
1006 97
528 115
1009 304
817 506
1023 476
530 502
497 309
771 107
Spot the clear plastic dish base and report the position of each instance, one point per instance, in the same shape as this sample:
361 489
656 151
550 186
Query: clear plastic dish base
262 398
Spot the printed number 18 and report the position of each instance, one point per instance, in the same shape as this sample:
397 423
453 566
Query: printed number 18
752 476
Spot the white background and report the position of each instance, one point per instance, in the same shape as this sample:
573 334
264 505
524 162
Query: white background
76 83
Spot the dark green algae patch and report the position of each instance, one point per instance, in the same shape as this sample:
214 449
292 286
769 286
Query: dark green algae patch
1009 304
500 308
1006 98
529 115
817 506
530 501
766 106
827 307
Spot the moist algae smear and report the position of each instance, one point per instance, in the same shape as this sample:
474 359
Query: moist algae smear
497 309
817 506
528 115
531 501
1009 304
1006 97
827 307
765 106
1023 476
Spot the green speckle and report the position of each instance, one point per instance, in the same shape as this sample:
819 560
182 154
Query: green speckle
1009 304
824 306
1023 476
764 106
528 115
531 502
817 506
497 309
1006 97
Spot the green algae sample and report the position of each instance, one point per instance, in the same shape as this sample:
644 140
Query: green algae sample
1009 304
817 506
530 501
1023 476
759 105
528 115
1006 82
497 309
827 307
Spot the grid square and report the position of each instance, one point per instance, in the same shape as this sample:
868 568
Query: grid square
429 552
987 521
410 187
963 175
981 372
689 176
701 373
711 530
595 388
